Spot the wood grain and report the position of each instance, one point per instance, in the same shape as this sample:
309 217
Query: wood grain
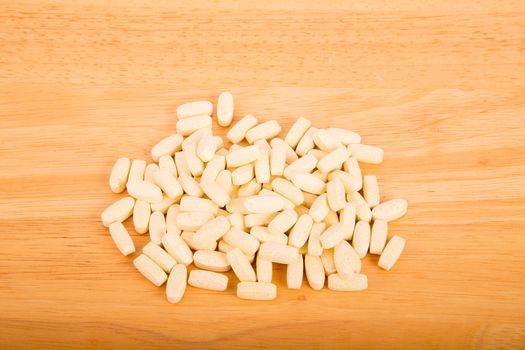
439 86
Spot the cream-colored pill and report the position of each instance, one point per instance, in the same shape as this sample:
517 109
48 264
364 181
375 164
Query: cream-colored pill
333 160
315 273
176 285
314 244
190 109
371 190
190 186
177 248
180 162
237 220
148 173
277 157
215 192
266 131
347 218
331 218
319 208
249 189
121 237
166 146
242 156
236 205
207 147
208 280
242 240
189 125
214 167
213 230
327 258
344 136
351 166
346 260
188 203
235 147
366 153
301 231
307 142
168 183
305 164
324 140
351 183
264 270
159 256
188 236
150 270
225 109
320 175
145 191
242 175
192 220
335 194
357 283
263 145
195 165
163 205
222 152
317 153
263 204
361 239
263 235
288 190
171 219
377 237
224 179
333 235
283 221
278 253
262 167
391 253
251 220
309 183
167 163
239 129
390 210
118 211
241 266
294 273
195 137
211 260
157 227
297 131
288 204
225 248
256 291
362 210
141 214
119 175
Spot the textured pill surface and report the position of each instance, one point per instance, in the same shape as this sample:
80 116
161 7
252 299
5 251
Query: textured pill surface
176 285
121 238
390 210
159 256
225 109
378 237
241 266
211 260
190 109
264 270
119 175
391 253
118 211
278 253
315 273
208 280
238 130
357 283
150 270
361 239
177 248
256 291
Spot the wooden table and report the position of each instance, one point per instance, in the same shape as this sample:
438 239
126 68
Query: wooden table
439 86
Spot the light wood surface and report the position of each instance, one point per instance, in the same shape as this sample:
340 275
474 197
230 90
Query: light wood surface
439 86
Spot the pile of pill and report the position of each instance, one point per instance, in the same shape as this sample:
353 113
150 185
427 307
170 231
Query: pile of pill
301 202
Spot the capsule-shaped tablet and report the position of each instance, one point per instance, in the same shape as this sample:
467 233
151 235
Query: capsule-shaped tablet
177 248
181 164
188 237
195 165
263 145
251 220
332 235
301 231
145 191
150 270
163 205
237 220
242 156
264 270
351 166
297 131
320 175
361 239
159 256
332 218
277 157
141 214
242 240
346 260
319 208
314 243
171 219
190 186
288 190
157 227
308 183
294 273
188 203
168 183
371 190
305 164
266 130
263 235
347 218
166 146
208 280
335 194
207 147
278 253
263 204
238 130
214 167
283 221
344 136
357 283
213 230
262 167
225 109
195 137
333 160
167 163
362 210
249 189
176 285
317 153
190 109
192 220
256 291
288 204
211 260
215 192
236 205
148 173
118 211
242 174
327 258
314 272
241 266
366 153
119 175
121 238
224 179
391 253
390 210
351 183
378 237
225 248
324 140
189 125
306 143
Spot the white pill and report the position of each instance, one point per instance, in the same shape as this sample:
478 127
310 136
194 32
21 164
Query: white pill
283 221
224 179
351 166
357 283
294 273
190 109
180 162
119 175
192 220
177 248
239 129
314 272
215 192
278 253
390 210
225 109
333 235
242 175
176 285
297 131
208 280
195 137
212 231
242 156
333 160
262 167
148 173
306 143
188 236
347 218
214 167
314 244
207 147
189 125
263 145
249 189
319 208
335 194
256 291
157 227
118 211
167 163
366 153
188 203
351 183
195 165
378 236
288 204
225 248
288 190
325 141
241 266
362 210
251 220
361 239
320 175
121 238
141 214
242 240
190 185
371 190
301 231
331 218
308 183
263 235
346 260
263 204
327 258
317 153
171 219
166 146
344 136
168 183
159 256
266 130
163 205
150 270
305 164
211 260
391 253
237 220
264 270
145 191
277 157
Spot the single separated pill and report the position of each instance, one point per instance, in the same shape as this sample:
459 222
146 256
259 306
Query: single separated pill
297 131
371 190
361 240
119 175
314 272
262 167
333 235
314 244
167 146
256 291
335 194
390 210
208 280
263 145
366 153
211 260
137 170
239 129
333 160
118 211
141 214
225 109
188 203
157 227
213 230
215 192
150 270
294 273
278 253
177 248
145 191
288 190
242 174
121 238
263 235
240 265
283 221
266 130
176 285
242 156
264 270
168 183
391 253
301 231
190 109
192 220
277 157
159 256
263 204
306 143
189 125
309 183
346 260
378 236
362 210
319 208
242 240
357 283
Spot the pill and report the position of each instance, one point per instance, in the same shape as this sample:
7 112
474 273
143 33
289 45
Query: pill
237 220
214 167
305 164
213 230
262 167
211 260
251 220
277 157
208 280
241 266
176 285
249 189
236 205
301 231
331 218
327 258
288 190
242 174
391 253
225 248
225 109
118 211
207 147
351 183
390 210
378 236
357 283
288 204
314 272
297 131
346 260
188 203
317 153
121 238
159 256
145 191
148 173
163 205
150 270
195 137
190 185
278 253
344 136
215 192
222 152
195 165
188 236
266 130
333 160
192 220
361 239
320 175
263 204
306 143
371 190
256 291
308 183
189 125
238 130
168 183
119 175
157 227
366 153
347 218
294 273
190 109
314 244
332 235
351 166
177 248
242 240
166 162
180 162
335 194
263 145
283 221
264 270
362 210
324 140
141 214
171 219
224 179
264 235
166 146
242 156
319 208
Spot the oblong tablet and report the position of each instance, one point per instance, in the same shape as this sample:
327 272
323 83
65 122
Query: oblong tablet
391 253
344 136
159 256
278 253
366 153
314 272
347 218
305 164
121 238
378 237
242 174
157 227
176 285
177 248
327 258
319 208
283 221
215 192
188 203
263 235
264 270
335 194
306 143
145 191
333 160
277 157
390 210
314 244
362 210
301 231
262 167
294 273
346 260
371 190
208 280
241 266
251 220
211 260
263 204
308 183
192 220
225 109
190 109
332 235
166 146
288 190
118 211
171 219
266 130
256 291
141 214
361 239
150 270
167 163
168 183
119 175
297 131
357 283
213 230
189 125
242 156
188 236
242 240
238 131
